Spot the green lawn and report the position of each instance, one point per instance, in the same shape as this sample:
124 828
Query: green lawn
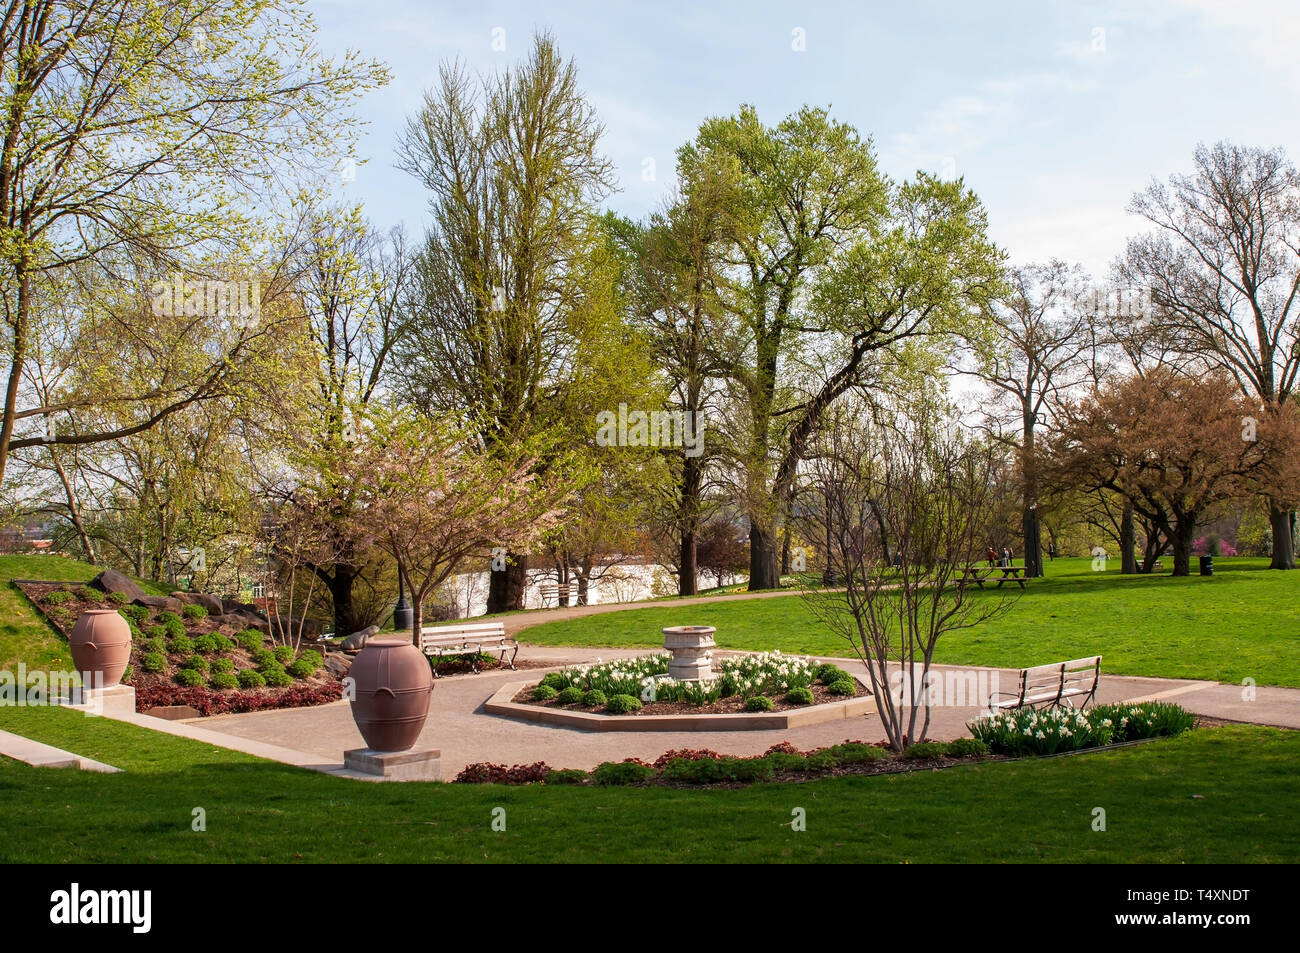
258 811
1242 622
24 635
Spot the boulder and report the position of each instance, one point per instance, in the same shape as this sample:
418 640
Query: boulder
234 605
211 603
309 630
336 663
357 640
110 580
238 621
159 603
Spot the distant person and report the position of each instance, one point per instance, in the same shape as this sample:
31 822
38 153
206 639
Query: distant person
993 556
1006 556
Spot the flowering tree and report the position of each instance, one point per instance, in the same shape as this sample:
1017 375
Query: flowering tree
433 501
931 489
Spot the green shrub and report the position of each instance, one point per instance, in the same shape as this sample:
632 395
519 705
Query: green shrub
128 673
594 698
87 594
168 616
190 677
284 654
153 662
842 686
799 696
153 645
224 643
250 640
621 772
196 662
180 645
829 672
58 597
566 776
570 696
223 680
194 612
207 644
117 598
1133 722
819 761
175 629
718 770
967 748
622 704
220 665
926 749
299 668
853 752
312 658
156 632
263 657
555 680
249 678
136 614
60 613
758 703
544 693
275 675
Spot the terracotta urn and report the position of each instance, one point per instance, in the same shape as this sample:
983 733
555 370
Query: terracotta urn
392 688
101 643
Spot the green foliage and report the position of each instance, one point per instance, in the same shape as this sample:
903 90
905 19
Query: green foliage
207 644
156 632
196 662
223 680
175 628
284 654
1133 722
275 675
136 614
924 750
195 612
829 672
153 662
190 677
853 752
250 678
842 686
90 594
622 704
570 696
566 776
180 645
263 657
799 696
1026 731
723 770
222 665
167 616
556 680
544 693
312 658
300 668
250 640
967 748
611 773
155 644
594 698
758 703
57 597
128 673
117 598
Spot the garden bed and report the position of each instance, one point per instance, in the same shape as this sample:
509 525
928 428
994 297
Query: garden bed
184 658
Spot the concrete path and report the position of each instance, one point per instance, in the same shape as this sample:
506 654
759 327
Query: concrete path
40 755
465 734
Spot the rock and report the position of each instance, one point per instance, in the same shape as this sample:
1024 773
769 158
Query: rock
211 603
336 663
309 630
159 603
247 608
357 640
110 580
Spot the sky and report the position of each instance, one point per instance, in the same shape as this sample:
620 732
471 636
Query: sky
1054 113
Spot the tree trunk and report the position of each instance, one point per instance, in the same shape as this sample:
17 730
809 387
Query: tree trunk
74 509
506 586
1127 541
1182 537
763 559
688 566
785 550
1033 542
584 584
417 618
340 584
18 356
1279 520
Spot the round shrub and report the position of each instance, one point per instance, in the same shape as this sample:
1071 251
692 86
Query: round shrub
153 662
544 693
250 640
168 616
852 752
621 772
206 644
249 678
284 654
299 668
175 629
61 613
135 613
758 703
194 612
312 658
220 665
153 645
555 680
566 776
189 677
156 632
223 680
842 686
829 672
181 645
622 704
594 698
570 696
275 675
117 598
967 748
224 643
263 657
799 696
58 597
924 750
88 594
196 662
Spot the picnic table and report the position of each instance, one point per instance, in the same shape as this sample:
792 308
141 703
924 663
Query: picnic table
983 574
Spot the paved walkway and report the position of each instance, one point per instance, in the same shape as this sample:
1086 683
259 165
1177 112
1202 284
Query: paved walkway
465 734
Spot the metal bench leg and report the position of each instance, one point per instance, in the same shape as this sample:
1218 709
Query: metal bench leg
512 657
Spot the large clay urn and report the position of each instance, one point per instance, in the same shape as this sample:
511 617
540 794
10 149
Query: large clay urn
393 684
101 643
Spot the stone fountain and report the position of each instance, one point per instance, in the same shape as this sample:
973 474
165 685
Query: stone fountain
690 645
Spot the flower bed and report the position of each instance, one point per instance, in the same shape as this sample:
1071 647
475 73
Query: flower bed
784 762
769 681
183 658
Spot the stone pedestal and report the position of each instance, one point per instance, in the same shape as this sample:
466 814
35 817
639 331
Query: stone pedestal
690 645
118 700
417 764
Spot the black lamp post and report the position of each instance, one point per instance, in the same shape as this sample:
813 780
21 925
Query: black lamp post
403 614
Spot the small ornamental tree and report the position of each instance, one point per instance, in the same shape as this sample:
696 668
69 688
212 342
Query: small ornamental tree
431 499
931 488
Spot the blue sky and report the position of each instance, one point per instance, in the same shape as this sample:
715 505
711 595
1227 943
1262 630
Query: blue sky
1054 113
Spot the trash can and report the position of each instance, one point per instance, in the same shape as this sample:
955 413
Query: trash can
1207 565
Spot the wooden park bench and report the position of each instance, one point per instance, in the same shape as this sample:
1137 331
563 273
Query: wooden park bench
982 574
475 638
1050 685
553 592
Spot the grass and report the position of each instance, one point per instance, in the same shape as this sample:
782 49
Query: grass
257 811
25 636
1241 622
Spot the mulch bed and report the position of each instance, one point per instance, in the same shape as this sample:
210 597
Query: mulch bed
723 706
